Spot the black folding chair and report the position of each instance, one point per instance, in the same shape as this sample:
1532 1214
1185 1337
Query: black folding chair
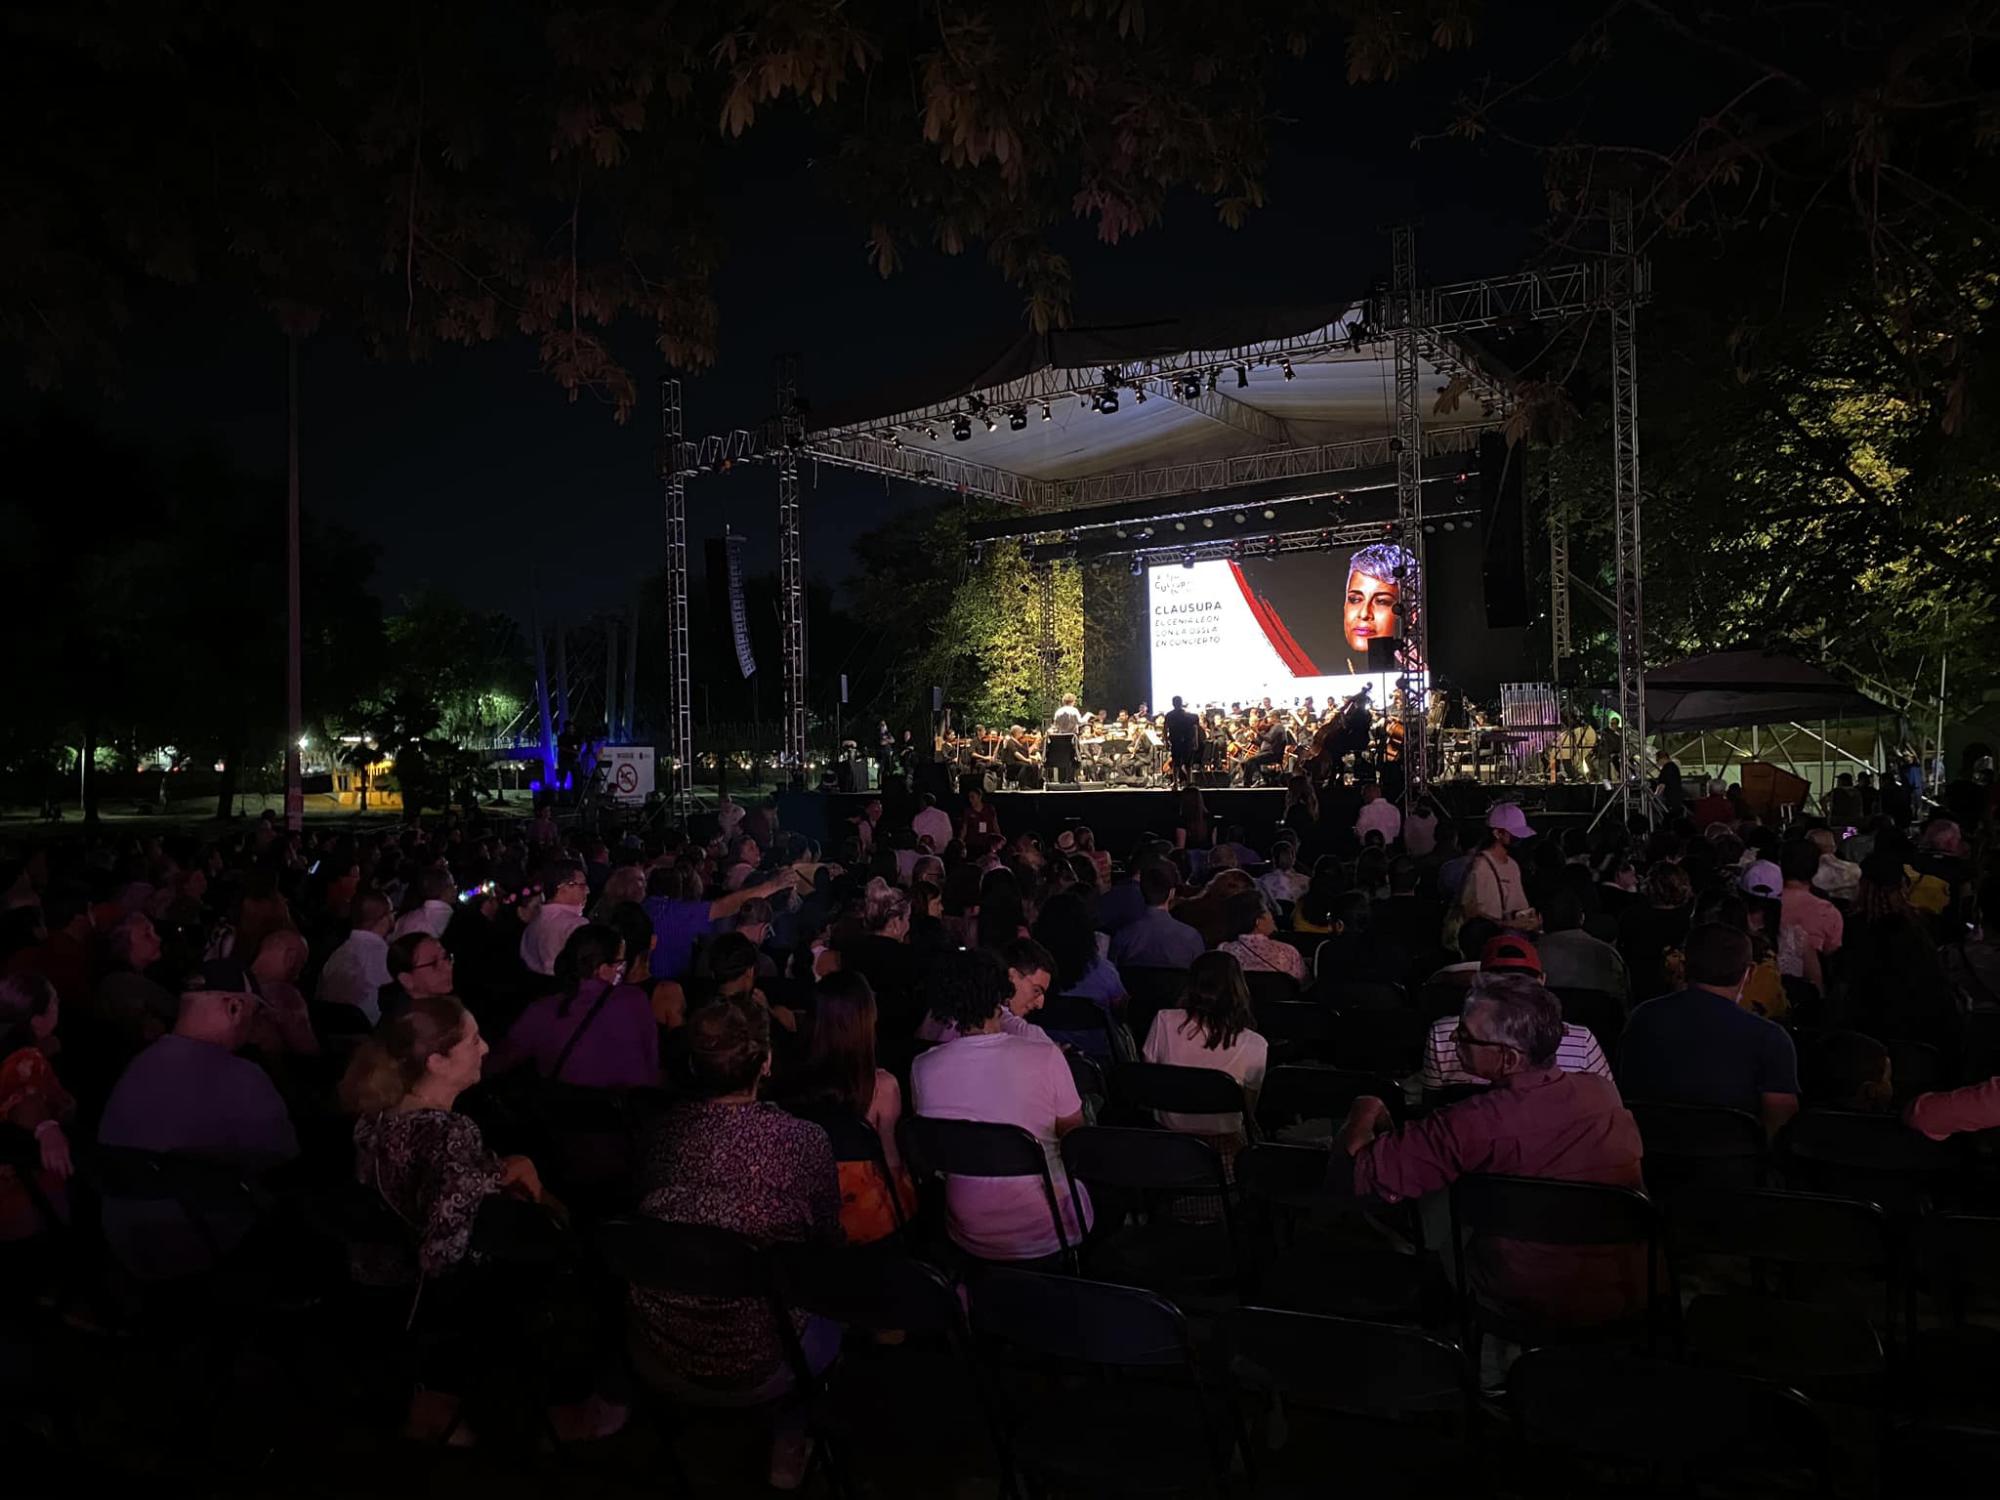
1599 1012
1087 1026
1382 1041
1619 1407
1543 1212
1821 1344
1696 1145
1875 1158
1357 994
1297 1030
854 1139
699 1260
877 1289
936 1147
1916 1068
1161 1202
1438 999
1950 1373
1151 1428
1157 1087
1294 1094
1269 987
1373 1371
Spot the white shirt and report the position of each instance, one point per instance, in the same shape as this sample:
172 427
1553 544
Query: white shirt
1420 834
1007 1079
1578 1052
355 973
933 823
432 917
1066 720
1380 816
1243 1060
543 942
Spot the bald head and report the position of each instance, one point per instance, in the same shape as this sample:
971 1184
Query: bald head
281 956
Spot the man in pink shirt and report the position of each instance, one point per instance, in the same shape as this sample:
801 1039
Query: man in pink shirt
1809 925
1955 1111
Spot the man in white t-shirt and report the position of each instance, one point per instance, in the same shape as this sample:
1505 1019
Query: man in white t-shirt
986 1074
1493 887
1378 815
564 890
932 822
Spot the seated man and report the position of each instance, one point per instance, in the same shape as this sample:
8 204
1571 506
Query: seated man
1701 1047
1506 953
1535 1121
189 1093
1157 938
1571 957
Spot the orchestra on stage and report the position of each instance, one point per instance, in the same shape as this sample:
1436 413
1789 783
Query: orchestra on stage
1264 744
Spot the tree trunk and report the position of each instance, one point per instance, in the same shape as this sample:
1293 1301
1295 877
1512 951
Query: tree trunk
225 793
89 770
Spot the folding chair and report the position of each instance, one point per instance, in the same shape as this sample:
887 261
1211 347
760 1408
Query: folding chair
1696 1145
1357 994
1151 1428
1875 1158
853 1139
1087 1026
937 1147
1161 1204
1544 1212
1616 1406
1951 1371
699 1260
1297 1030
1375 1372
1291 1095
1435 999
1822 1346
1916 1068
1149 1088
1269 987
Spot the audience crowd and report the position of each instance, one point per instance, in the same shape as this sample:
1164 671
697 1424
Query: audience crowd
483 1041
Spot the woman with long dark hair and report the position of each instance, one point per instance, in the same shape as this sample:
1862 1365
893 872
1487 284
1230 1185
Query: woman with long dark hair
1212 1027
1067 929
596 1030
839 1072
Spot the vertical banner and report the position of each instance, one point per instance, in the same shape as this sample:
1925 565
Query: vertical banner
739 618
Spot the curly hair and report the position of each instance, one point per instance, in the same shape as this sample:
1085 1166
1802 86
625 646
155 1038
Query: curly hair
1384 560
966 987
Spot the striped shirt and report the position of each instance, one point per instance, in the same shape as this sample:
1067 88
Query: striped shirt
1578 1053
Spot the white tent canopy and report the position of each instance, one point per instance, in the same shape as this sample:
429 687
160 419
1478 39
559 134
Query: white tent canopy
1728 689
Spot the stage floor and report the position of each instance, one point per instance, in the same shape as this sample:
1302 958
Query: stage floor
1120 816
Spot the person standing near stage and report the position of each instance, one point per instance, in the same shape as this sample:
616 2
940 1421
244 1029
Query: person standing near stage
978 818
1183 741
1064 727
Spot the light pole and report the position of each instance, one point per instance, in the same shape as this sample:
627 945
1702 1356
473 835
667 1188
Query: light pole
295 795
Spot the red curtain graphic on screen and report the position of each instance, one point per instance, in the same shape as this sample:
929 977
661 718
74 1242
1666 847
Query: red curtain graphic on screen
1298 661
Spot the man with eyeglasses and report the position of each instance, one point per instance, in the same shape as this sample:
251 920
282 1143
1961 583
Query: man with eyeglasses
565 889
419 967
1534 1121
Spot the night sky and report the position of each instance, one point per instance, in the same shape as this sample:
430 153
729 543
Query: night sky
473 469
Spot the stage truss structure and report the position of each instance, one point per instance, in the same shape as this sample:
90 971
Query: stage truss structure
1408 318
1411 654
680 689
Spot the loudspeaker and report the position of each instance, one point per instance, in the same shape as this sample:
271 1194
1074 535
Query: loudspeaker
1382 651
1503 525
937 699
853 776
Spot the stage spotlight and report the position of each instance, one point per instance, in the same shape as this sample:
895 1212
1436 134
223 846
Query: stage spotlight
1138 565
1142 392
1286 366
894 441
961 427
1271 547
1212 374
1187 559
1429 529
1107 399
1119 532
1241 519
1018 418
1145 533
991 425
1449 527
1180 526
1047 415
1242 376
931 433
1326 539
1208 521
1269 514
1191 388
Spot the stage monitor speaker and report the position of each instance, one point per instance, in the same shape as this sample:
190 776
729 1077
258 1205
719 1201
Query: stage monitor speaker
1382 651
937 700
1503 525
853 776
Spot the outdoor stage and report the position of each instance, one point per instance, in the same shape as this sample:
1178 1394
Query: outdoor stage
1120 816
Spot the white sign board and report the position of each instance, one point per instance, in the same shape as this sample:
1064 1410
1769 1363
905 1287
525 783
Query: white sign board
628 773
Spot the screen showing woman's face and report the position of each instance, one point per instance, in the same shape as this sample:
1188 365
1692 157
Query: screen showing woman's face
1371 609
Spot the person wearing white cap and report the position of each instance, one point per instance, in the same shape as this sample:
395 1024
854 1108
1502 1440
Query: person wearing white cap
1493 888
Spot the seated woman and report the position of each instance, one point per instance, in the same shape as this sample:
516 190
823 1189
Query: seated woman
432 1169
1314 911
879 951
1067 928
839 1073
1252 941
1206 911
596 1030
729 1161
985 1073
34 1101
1212 1028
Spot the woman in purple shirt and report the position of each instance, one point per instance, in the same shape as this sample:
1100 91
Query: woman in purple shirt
596 1031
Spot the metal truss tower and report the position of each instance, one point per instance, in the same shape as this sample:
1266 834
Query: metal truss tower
1049 652
1558 523
791 570
680 685
1622 292
1409 448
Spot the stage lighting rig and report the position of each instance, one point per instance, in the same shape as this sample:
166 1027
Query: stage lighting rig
1107 400
1187 559
1242 376
1191 388
1140 387
1017 419
1047 415
1286 366
991 425
961 427
1138 565
1212 374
